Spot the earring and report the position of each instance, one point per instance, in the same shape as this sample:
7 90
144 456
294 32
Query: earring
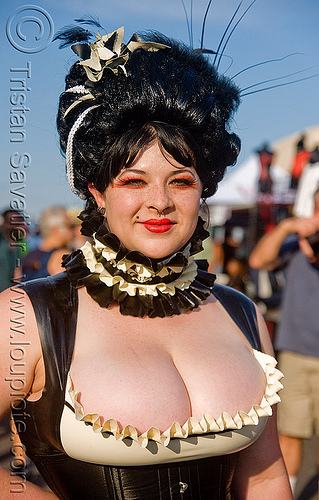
101 210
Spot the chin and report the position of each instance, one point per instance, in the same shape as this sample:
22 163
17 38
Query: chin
158 247
159 253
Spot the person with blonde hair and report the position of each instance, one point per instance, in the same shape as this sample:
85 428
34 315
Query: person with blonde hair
56 230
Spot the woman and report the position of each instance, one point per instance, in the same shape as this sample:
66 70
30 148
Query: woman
144 380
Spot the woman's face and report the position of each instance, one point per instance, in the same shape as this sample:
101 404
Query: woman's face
153 205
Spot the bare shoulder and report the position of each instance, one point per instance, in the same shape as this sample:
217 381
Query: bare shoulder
20 348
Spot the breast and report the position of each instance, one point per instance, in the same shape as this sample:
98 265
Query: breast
149 373
156 389
143 390
221 378
86 443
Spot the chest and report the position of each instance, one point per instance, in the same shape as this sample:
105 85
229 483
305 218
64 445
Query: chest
152 372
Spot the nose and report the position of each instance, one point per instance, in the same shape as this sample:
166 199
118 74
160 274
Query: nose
160 199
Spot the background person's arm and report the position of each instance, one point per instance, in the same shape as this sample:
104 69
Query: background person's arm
266 253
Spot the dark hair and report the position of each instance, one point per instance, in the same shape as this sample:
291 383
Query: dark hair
174 95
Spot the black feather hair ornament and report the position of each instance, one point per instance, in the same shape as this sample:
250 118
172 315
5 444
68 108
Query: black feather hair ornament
179 92
90 21
79 38
219 53
72 34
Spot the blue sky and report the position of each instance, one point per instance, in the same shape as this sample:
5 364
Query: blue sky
272 29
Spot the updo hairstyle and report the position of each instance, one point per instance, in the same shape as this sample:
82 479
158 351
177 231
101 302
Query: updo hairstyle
174 95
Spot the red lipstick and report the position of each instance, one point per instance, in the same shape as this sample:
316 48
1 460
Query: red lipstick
158 225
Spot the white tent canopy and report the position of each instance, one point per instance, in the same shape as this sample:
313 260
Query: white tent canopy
285 148
240 187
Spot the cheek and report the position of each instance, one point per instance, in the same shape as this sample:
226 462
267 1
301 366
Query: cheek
123 199
190 208
190 203
120 209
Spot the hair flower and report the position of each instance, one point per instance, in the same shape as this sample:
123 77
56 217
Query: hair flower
109 52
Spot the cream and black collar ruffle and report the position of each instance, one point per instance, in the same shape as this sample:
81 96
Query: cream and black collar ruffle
142 286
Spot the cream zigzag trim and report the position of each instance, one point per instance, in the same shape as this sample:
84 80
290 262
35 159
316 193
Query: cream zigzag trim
141 273
192 425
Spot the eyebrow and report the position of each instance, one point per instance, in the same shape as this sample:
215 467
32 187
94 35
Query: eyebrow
135 170
177 170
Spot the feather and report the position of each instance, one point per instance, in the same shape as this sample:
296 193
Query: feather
204 22
278 85
275 79
265 62
232 31
205 51
225 31
192 37
189 29
90 21
70 35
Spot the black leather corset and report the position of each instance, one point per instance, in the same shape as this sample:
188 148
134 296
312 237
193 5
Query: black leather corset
55 303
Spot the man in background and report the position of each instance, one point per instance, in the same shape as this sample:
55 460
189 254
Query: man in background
294 244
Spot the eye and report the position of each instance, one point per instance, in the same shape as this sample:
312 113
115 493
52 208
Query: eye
186 181
131 181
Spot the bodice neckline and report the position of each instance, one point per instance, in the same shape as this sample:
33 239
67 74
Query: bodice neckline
192 426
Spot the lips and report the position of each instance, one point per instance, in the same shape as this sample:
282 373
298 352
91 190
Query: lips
158 225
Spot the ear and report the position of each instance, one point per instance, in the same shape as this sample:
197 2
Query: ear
99 198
